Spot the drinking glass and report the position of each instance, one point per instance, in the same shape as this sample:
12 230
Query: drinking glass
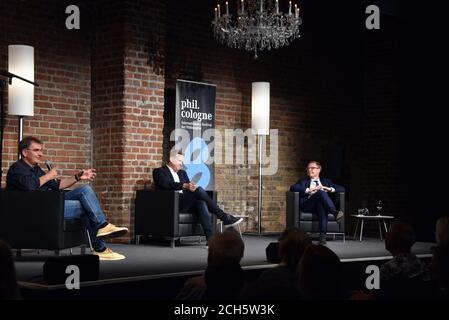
379 207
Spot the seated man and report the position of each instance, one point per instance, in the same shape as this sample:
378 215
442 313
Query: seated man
172 177
26 174
314 196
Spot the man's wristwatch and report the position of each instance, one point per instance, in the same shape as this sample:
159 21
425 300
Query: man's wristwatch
78 176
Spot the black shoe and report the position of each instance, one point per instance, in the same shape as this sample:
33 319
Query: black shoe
322 240
232 221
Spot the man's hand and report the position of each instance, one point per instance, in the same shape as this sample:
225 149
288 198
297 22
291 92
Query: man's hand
327 189
52 174
87 174
314 190
192 186
189 186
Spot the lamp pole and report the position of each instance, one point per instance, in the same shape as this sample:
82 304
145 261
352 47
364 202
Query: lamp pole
2 124
259 194
20 134
260 122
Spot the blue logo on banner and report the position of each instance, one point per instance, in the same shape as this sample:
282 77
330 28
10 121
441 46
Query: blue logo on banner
197 152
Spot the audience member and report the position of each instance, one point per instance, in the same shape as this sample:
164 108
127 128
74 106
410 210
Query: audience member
279 283
399 241
8 283
319 274
439 266
223 277
404 276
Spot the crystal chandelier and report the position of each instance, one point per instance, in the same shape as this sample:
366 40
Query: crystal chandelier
257 26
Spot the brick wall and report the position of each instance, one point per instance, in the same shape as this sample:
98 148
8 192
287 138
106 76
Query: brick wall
143 101
125 60
309 107
62 110
107 105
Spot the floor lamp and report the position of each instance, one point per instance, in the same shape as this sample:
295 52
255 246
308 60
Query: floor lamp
260 123
21 90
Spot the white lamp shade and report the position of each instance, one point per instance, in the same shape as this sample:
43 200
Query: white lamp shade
21 93
260 107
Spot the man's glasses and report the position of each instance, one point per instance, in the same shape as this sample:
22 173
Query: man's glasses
310 168
36 150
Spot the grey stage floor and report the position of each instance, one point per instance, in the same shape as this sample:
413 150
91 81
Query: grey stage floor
150 260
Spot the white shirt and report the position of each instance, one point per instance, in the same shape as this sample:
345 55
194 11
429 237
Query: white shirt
314 183
175 176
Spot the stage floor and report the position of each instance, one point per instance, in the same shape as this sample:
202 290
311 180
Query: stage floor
148 261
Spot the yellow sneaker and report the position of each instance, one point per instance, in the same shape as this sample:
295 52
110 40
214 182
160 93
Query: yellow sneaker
108 254
111 231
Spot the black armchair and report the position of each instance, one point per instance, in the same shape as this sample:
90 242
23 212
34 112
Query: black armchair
308 221
35 220
157 214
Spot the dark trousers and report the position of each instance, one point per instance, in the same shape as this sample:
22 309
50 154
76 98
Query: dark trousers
321 204
200 202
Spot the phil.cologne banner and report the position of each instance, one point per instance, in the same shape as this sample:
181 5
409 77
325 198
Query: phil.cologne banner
195 113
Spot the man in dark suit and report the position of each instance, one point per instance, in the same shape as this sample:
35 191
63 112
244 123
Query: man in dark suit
192 197
314 196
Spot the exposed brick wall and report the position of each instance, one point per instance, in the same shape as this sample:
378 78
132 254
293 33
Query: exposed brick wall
107 106
306 106
143 103
62 112
127 57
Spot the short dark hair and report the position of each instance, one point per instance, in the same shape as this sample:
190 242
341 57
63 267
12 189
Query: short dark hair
316 162
401 236
292 243
225 249
25 143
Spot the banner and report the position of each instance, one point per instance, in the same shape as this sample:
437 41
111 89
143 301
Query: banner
195 113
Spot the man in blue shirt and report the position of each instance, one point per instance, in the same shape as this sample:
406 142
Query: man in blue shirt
26 174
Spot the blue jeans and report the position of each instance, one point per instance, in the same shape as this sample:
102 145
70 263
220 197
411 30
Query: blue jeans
321 204
82 203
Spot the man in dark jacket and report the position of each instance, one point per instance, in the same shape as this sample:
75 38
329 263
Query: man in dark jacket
192 197
80 203
314 196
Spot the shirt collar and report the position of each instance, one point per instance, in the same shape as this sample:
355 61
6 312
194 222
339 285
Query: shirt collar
171 169
26 165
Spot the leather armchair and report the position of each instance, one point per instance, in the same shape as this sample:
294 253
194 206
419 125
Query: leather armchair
157 214
308 221
35 220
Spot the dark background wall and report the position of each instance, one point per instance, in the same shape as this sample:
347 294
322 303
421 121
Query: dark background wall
362 102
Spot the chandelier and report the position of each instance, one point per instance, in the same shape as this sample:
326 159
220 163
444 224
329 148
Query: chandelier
258 25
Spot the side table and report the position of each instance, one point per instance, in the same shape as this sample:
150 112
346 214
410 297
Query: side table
379 218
